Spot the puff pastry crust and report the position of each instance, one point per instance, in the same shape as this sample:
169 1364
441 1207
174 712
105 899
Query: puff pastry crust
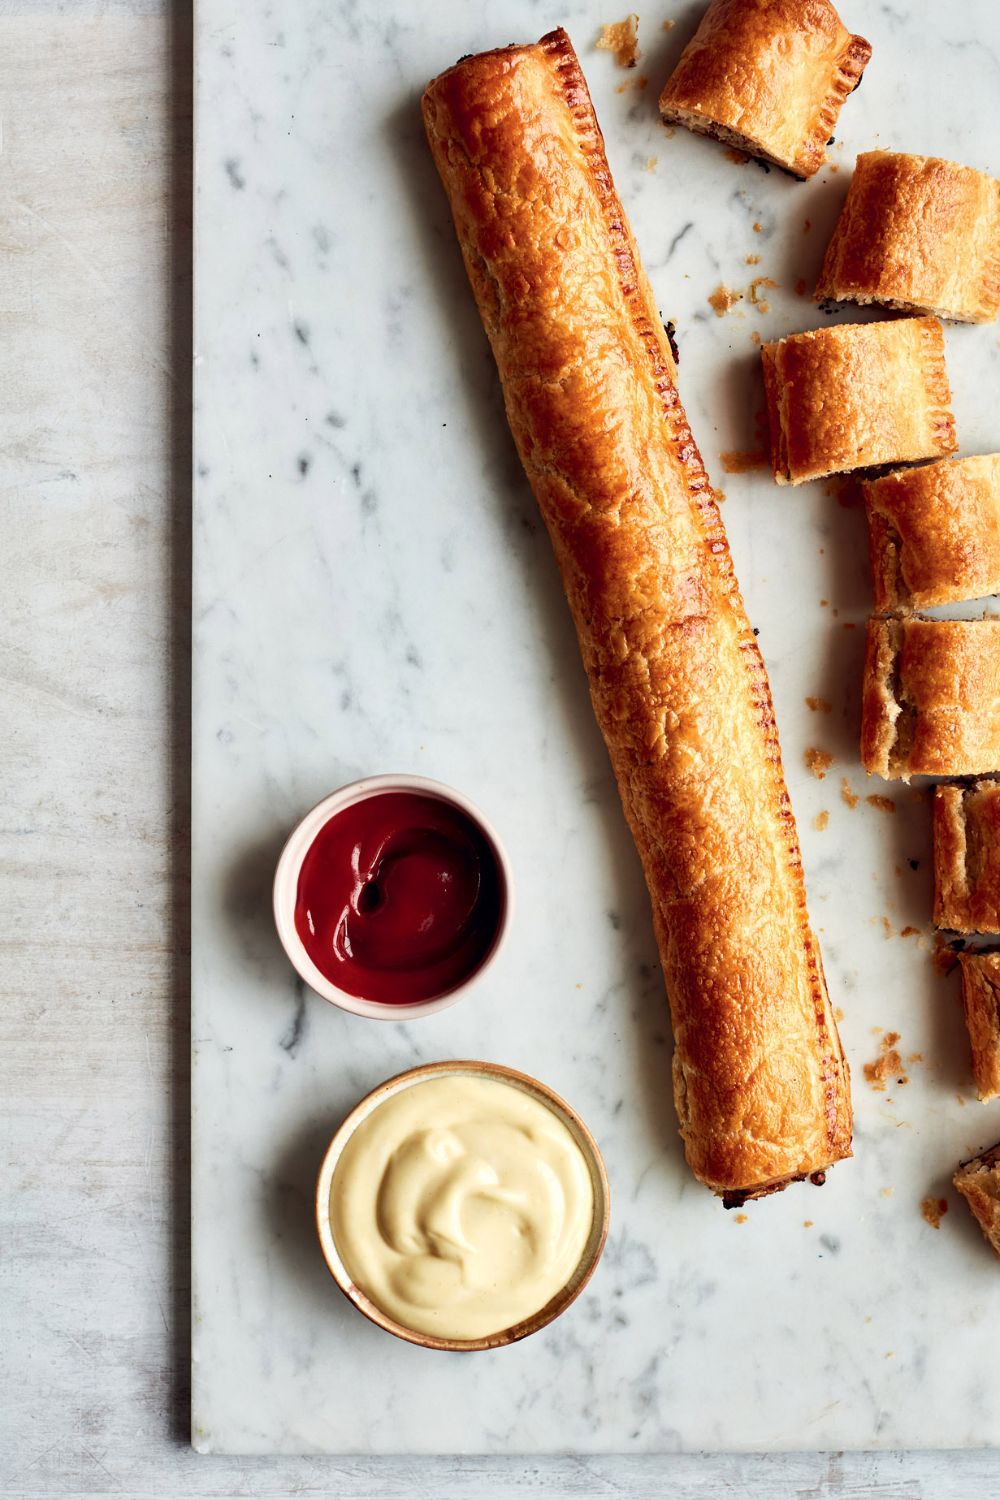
917 233
967 857
855 396
767 76
981 1003
676 680
931 698
978 1181
934 533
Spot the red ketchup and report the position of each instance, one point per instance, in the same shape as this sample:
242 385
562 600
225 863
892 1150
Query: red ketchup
400 898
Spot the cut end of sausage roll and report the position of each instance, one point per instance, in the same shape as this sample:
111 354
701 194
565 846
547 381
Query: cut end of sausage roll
967 857
857 396
769 77
978 1181
676 679
934 533
917 233
931 698
981 1003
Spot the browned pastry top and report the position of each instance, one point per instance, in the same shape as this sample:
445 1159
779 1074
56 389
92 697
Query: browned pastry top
967 857
919 233
857 395
774 73
981 1003
676 679
934 533
931 699
978 1181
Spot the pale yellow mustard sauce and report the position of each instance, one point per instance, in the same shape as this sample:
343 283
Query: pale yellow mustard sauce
461 1206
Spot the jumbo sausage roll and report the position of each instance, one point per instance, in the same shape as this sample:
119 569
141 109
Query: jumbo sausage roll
917 233
934 533
967 857
931 698
676 679
981 1004
856 396
767 76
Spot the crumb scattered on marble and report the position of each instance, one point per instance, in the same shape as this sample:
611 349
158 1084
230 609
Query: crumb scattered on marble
753 260
755 337
736 461
884 804
887 1192
670 131
961 1099
722 299
668 25
807 1223
761 303
739 158
800 287
915 1057
632 83
887 927
824 604
846 795
910 932
821 820
740 1218
758 228
934 1210
651 163
818 762
621 38
887 1065
819 705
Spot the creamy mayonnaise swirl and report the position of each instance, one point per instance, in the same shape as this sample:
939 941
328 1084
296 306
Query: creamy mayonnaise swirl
461 1205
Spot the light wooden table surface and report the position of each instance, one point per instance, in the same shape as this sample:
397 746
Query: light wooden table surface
94 563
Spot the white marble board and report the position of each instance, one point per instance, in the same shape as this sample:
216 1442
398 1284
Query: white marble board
373 591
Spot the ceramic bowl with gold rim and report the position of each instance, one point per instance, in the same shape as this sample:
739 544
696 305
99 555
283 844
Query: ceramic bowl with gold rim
462 1205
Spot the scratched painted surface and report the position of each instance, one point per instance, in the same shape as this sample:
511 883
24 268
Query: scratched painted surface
93 863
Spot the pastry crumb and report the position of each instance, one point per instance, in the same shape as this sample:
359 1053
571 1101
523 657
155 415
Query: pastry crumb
739 462
740 1218
915 1057
846 795
758 228
722 299
934 1210
910 932
884 804
632 83
800 287
819 705
888 1064
670 131
761 303
739 158
651 163
753 260
838 1015
668 25
887 927
621 38
755 337
821 820
887 1192
807 1223
818 762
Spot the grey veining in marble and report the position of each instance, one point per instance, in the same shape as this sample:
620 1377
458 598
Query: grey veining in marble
374 591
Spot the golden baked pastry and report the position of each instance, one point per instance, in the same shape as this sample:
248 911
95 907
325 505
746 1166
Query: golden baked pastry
934 533
769 77
857 395
978 1181
917 233
967 857
676 679
981 1003
931 699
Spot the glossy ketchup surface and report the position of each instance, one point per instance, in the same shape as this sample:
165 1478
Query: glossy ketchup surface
400 898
